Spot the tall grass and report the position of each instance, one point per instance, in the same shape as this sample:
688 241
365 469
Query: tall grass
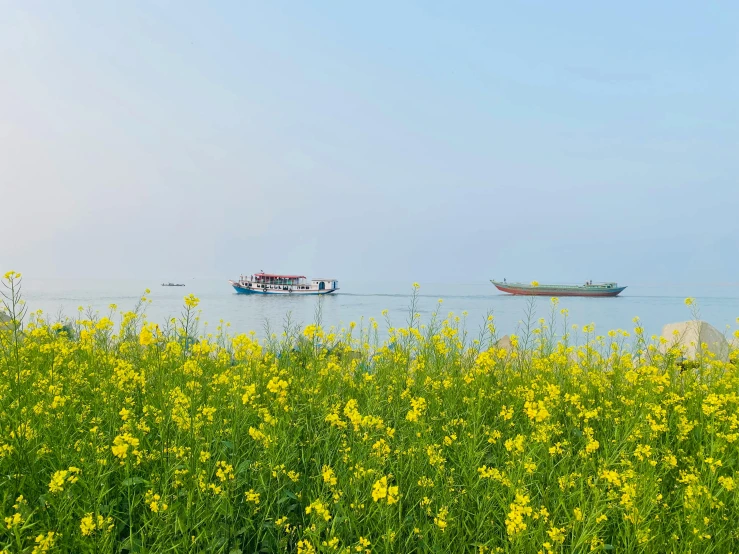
118 435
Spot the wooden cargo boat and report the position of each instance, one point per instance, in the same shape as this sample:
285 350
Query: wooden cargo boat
535 289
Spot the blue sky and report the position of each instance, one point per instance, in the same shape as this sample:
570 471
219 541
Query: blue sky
418 141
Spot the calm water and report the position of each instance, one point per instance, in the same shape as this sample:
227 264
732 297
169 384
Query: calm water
655 305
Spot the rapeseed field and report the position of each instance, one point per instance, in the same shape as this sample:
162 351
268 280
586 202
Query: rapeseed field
122 435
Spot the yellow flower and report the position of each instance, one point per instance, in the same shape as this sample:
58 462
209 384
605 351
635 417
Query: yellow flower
252 496
224 471
148 334
534 283
727 483
557 534
519 509
154 501
87 525
57 481
689 301
320 510
122 443
191 301
305 547
381 491
44 543
441 519
14 520
63 476
328 476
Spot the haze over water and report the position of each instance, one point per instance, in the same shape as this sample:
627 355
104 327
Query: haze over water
655 305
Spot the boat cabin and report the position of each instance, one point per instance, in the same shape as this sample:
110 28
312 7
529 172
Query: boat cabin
601 285
269 279
323 284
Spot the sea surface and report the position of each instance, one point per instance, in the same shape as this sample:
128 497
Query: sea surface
654 304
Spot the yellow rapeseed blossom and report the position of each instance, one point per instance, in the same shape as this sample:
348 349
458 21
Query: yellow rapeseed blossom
44 543
61 477
382 491
440 520
122 444
319 508
727 483
90 523
520 509
418 408
154 502
13 521
557 534
305 547
329 476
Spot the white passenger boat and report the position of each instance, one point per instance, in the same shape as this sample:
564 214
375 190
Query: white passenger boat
266 283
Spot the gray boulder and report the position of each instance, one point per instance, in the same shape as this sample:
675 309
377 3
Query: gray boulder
689 335
505 343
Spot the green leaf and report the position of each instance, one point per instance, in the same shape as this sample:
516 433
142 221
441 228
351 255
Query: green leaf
132 481
131 544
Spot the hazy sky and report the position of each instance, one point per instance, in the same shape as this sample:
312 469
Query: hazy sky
413 141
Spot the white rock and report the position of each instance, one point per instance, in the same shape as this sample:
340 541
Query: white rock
505 343
690 335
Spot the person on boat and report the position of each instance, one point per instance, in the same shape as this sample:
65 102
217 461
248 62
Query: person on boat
504 279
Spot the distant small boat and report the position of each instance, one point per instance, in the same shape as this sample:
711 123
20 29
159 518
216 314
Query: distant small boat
590 289
266 283
173 284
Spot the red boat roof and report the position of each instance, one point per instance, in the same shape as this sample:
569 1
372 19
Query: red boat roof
273 276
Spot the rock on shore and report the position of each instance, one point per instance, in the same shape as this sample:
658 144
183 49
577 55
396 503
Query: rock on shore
690 334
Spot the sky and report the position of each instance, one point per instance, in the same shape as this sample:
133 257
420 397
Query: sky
407 141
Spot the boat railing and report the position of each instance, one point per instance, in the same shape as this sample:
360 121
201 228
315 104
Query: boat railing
610 285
